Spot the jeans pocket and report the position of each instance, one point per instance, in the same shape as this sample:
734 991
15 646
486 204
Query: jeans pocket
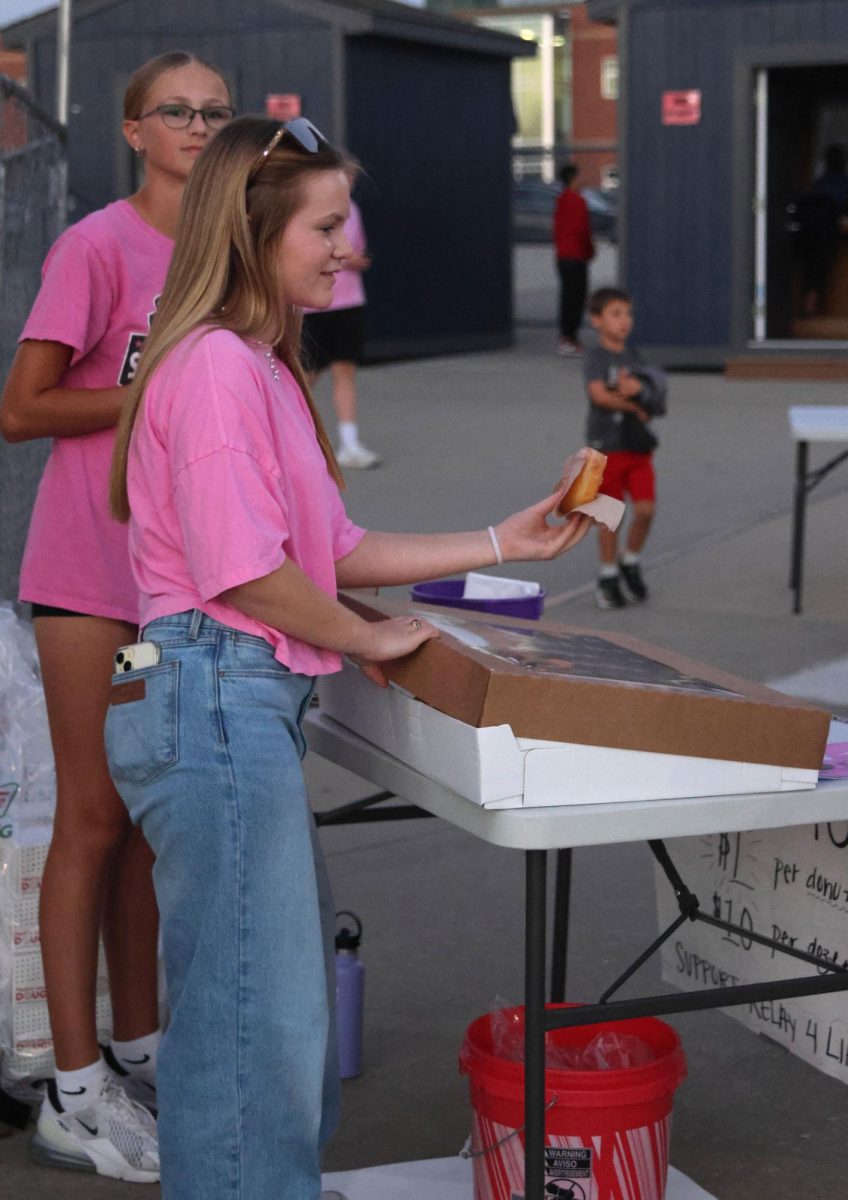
141 724
250 656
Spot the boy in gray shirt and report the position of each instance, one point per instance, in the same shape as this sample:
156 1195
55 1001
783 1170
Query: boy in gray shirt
618 427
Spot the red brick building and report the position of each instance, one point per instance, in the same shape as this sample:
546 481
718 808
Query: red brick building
565 95
12 63
12 120
594 87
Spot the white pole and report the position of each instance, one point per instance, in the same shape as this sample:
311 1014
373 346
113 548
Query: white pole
63 59
548 97
761 98
63 85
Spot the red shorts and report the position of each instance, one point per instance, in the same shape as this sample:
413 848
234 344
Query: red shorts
629 474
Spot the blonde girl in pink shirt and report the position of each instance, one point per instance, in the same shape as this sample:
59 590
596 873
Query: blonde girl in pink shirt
239 542
78 351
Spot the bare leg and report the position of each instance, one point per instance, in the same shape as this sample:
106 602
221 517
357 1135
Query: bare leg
95 857
351 452
344 390
607 547
130 927
640 526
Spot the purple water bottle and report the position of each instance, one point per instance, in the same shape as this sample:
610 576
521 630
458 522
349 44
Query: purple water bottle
350 993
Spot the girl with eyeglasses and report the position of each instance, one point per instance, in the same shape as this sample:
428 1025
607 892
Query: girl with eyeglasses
78 352
239 542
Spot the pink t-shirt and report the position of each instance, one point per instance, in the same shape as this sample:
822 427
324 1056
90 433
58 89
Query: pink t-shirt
100 285
349 290
226 481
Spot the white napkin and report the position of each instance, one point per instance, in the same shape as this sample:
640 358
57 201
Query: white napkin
493 587
603 509
606 510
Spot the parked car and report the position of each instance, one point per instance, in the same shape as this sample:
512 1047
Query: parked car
603 211
534 201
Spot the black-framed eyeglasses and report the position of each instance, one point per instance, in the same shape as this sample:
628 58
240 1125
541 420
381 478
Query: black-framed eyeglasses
308 136
180 116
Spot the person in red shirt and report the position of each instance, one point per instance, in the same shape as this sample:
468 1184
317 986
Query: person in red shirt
574 250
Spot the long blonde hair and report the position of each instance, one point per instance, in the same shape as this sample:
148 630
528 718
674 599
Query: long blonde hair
223 272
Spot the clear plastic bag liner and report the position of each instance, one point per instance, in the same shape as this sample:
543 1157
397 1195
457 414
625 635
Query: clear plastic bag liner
607 1051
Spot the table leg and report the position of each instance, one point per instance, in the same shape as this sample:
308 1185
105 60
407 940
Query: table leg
534 1028
798 520
562 902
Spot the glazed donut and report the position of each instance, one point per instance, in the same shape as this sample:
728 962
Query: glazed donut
585 486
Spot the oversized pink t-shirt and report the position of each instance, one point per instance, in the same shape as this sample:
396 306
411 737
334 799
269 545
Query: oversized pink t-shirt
226 481
349 290
100 285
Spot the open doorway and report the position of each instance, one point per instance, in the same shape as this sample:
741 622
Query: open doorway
802 204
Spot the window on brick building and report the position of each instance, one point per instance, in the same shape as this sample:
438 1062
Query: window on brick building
609 77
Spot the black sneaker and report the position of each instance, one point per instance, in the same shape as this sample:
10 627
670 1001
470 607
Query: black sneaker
608 593
634 584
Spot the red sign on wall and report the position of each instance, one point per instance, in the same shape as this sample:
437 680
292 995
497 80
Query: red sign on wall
282 106
681 108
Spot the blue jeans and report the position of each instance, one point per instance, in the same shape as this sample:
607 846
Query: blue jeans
205 749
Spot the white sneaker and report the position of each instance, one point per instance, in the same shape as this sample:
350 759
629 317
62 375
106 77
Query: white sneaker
137 1085
357 457
113 1136
140 1090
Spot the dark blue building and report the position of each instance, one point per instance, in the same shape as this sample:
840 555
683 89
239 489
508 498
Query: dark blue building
727 110
423 100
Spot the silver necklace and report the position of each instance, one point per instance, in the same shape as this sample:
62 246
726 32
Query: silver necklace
272 363
269 355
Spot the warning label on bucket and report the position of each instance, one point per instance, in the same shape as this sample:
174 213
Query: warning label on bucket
568 1172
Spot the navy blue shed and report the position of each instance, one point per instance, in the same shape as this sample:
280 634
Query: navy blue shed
729 108
423 100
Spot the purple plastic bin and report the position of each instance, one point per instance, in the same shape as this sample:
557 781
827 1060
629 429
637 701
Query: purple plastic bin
448 592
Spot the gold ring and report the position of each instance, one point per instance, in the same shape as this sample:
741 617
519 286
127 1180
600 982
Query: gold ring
415 623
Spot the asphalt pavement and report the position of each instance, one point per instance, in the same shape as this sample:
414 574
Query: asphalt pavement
467 440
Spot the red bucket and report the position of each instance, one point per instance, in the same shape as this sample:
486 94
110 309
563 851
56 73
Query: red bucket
606 1132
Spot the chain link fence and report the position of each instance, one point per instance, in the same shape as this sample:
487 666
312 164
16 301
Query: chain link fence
33 168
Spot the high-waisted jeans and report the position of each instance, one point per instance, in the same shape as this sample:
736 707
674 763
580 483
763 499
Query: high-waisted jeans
206 749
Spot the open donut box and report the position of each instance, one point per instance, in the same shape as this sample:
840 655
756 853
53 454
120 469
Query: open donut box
512 713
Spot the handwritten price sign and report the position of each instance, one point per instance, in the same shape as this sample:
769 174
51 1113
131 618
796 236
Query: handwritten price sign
790 885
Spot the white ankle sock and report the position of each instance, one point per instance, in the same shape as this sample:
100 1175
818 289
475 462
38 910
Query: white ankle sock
348 434
78 1088
608 571
138 1057
630 559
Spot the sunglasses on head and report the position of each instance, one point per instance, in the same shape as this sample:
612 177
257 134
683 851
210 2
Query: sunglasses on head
307 136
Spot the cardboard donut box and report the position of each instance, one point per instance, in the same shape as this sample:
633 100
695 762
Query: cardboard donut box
510 712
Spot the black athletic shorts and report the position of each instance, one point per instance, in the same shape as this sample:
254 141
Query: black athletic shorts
330 337
47 610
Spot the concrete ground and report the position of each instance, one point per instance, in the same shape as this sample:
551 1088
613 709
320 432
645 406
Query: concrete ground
467 440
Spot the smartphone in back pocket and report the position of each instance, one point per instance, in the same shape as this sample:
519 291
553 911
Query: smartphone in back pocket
133 658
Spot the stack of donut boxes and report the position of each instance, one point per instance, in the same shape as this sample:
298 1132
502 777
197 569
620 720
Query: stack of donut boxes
26 1048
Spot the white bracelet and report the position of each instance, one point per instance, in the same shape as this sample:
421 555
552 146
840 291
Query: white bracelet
496 546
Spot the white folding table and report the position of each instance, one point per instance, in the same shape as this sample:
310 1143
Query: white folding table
537 830
811 423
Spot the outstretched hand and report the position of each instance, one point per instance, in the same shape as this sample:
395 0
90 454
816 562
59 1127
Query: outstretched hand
527 536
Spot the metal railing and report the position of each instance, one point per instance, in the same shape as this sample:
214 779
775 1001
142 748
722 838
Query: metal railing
597 160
